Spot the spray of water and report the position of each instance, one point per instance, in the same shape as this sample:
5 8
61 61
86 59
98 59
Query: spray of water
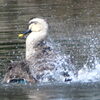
64 70
90 72
91 69
90 75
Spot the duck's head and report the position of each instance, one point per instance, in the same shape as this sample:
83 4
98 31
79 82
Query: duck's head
38 27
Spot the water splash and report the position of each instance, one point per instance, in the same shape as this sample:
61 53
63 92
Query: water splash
91 69
90 74
63 71
57 66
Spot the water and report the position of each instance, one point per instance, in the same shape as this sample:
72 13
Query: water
74 25
74 91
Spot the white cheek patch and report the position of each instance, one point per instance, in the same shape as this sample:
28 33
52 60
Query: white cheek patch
36 27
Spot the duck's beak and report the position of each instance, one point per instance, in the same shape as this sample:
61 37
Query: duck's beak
23 33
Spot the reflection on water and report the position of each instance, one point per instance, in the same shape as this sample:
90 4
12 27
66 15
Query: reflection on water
74 25
74 91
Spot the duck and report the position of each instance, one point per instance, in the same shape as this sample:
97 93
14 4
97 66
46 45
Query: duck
40 58
38 31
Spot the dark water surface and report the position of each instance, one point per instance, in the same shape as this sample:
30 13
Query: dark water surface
74 91
73 24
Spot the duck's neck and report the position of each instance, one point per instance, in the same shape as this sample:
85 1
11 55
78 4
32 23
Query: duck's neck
31 44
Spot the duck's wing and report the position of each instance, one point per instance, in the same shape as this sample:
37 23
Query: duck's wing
18 72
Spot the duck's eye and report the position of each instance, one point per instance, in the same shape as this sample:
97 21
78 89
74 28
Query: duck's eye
35 22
